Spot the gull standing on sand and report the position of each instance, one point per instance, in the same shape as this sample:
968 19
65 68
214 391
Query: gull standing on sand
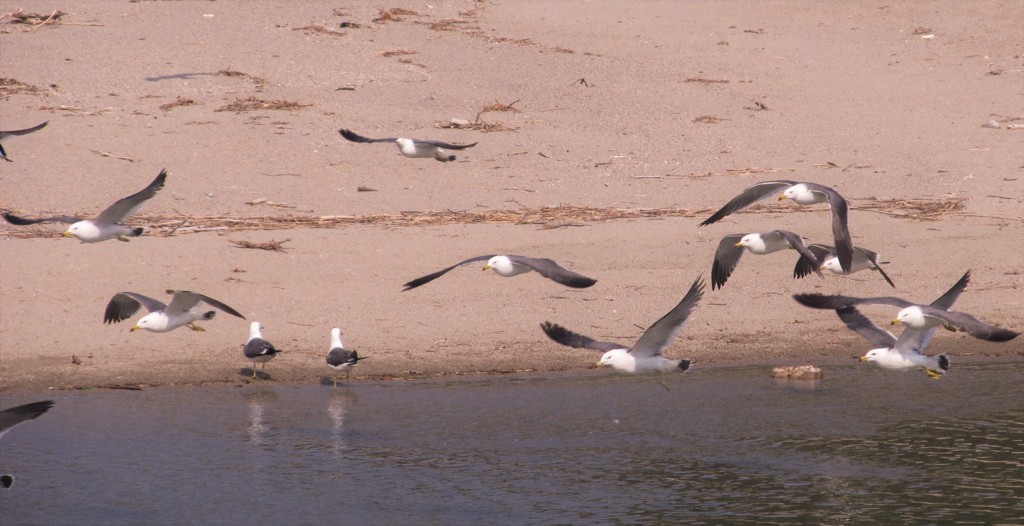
257 349
413 147
339 359
15 133
802 194
730 249
16 415
863 259
645 355
107 225
163 318
511 265
919 317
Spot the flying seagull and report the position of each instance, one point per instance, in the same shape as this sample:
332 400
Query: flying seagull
413 147
862 259
257 349
15 133
107 225
15 415
645 355
512 265
905 352
163 318
917 317
339 359
730 248
803 194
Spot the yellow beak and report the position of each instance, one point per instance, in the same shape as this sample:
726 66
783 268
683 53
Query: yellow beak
863 358
67 233
781 197
894 322
134 328
821 267
738 245
487 267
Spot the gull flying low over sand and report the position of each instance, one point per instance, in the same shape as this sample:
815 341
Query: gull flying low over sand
645 355
16 415
512 265
917 317
339 359
862 259
15 133
107 225
730 248
163 318
413 147
905 352
803 194
257 349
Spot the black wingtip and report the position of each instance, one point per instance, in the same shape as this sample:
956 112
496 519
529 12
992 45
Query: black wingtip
943 362
209 315
684 365
6 481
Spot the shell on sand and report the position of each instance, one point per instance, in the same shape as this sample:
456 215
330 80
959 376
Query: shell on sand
797 372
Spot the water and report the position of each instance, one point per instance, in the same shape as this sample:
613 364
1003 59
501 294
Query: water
712 446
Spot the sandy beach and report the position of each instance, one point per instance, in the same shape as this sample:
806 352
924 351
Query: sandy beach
606 132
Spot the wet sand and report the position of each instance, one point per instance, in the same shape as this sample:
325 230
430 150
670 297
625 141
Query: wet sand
683 106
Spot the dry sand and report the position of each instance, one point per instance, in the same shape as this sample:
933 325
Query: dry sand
684 104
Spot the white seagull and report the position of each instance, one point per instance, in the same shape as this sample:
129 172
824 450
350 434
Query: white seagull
15 133
802 194
16 415
512 265
107 225
413 147
257 349
163 318
645 355
339 359
730 249
863 259
914 316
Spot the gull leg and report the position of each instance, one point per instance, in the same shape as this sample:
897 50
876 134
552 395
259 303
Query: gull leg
335 380
120 237
195 327
254 370
949 327
932 374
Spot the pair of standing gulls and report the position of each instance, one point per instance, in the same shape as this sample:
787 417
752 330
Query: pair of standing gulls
259 350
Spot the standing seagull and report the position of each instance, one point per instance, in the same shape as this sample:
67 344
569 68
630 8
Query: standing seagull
917 317
803 194
862 259
163 318
645 356
512 265
15 133
730 248
339 359
413 147
257 349
14 416
107 225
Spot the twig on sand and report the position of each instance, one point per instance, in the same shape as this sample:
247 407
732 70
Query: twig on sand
272 245
108 154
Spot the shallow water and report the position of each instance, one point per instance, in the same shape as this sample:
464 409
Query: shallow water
711 446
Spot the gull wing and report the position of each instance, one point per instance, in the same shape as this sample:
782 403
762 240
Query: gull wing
577 341
727 256
23 221
663 331
127 206
819 301
258 347
860 324
748 197
555 272
797 242
354 137
125 304
840 224
185 300
947 300
23 413
873 258
423 280
820 252
338 356
12 133
445 145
